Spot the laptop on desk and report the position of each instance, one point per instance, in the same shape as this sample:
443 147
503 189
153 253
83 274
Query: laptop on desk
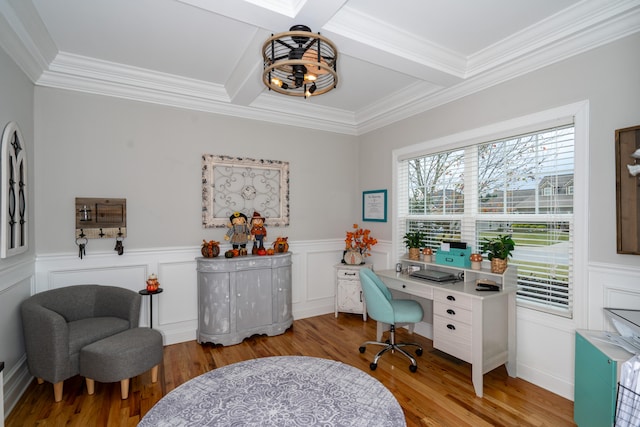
433 275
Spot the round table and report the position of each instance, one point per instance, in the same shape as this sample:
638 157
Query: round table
279 391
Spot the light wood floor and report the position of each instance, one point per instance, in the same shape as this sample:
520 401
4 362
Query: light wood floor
440 393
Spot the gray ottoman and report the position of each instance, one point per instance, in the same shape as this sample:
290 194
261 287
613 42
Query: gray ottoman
121 357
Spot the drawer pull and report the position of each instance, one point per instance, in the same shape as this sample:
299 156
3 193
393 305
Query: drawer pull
360 296
451 312
451 298
452 327
349 274
404 286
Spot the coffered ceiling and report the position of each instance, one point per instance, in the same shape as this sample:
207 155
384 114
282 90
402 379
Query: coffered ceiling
396 58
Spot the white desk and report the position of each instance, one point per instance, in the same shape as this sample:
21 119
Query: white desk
477 327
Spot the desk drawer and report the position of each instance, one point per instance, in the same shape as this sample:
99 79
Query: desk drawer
453 298
453 313
417 289
452 337
348 274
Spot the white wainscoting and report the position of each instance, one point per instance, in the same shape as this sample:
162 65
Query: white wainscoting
313 276
16 284
175 309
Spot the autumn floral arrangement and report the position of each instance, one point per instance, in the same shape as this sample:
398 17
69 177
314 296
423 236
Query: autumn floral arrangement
359 239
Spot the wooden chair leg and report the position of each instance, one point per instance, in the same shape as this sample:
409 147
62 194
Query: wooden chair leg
154 374
40 381
124 388
91 385
57 391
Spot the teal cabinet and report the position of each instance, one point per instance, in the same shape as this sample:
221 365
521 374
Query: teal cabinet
597 369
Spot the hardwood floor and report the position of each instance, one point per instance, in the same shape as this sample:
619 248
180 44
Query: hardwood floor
440 393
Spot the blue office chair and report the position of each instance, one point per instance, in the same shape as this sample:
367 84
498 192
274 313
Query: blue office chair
383 308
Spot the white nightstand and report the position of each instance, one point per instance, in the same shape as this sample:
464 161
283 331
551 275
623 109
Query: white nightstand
348 293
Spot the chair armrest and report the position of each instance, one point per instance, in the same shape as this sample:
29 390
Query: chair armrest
46 336
119 302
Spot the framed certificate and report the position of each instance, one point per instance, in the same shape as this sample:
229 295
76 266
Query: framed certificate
374 205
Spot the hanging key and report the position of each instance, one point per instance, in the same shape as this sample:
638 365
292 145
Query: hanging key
82 243
119 247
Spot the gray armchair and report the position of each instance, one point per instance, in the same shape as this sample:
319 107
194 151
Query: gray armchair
58 323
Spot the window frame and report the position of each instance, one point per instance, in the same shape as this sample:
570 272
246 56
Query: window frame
578 114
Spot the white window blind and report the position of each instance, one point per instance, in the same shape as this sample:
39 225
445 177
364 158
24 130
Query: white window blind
521 186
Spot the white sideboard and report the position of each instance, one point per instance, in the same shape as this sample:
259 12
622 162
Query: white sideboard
478 327
348 291
243 296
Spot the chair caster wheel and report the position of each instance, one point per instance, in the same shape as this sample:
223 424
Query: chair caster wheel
413 368
419 352
373 366
361 349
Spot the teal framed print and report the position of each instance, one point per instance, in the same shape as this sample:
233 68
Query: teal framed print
374 205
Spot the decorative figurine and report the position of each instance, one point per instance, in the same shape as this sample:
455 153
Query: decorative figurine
258 231
238 233
152 283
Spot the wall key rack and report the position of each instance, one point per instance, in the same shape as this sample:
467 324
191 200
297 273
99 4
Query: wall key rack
101 218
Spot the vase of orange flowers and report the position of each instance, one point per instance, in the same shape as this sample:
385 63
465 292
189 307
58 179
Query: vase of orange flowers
358 245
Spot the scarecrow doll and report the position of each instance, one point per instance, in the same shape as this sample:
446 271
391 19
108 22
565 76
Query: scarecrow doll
258 231
238 233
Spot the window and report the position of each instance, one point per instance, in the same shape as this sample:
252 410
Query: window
520 185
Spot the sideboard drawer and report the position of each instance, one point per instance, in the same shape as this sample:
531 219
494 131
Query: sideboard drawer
348 274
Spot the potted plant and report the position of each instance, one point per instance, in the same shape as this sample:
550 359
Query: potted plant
498 250
414 240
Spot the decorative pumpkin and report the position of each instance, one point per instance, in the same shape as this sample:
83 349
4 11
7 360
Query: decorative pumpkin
270 251
261 251
281 245
228 254
210 249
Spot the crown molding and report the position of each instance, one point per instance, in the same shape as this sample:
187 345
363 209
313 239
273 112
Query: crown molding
30 46
585 26
581 18
386 112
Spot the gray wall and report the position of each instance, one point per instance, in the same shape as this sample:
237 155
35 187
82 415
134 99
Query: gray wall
94 146
16 273
608 77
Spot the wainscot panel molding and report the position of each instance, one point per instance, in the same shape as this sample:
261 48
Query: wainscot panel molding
611 286
175 309
16 284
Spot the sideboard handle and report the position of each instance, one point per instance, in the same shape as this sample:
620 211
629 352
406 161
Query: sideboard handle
451 298
450 326
451 312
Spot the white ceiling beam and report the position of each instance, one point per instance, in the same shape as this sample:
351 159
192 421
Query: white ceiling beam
375 41
245 83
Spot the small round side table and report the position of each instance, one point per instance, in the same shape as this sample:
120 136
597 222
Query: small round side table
151 294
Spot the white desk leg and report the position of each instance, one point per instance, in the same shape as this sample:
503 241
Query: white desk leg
512 363
477 351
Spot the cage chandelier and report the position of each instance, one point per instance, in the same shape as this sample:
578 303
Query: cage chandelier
299 62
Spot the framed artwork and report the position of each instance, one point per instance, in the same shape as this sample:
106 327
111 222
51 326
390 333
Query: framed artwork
236 184
14 238
628 190
374 205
